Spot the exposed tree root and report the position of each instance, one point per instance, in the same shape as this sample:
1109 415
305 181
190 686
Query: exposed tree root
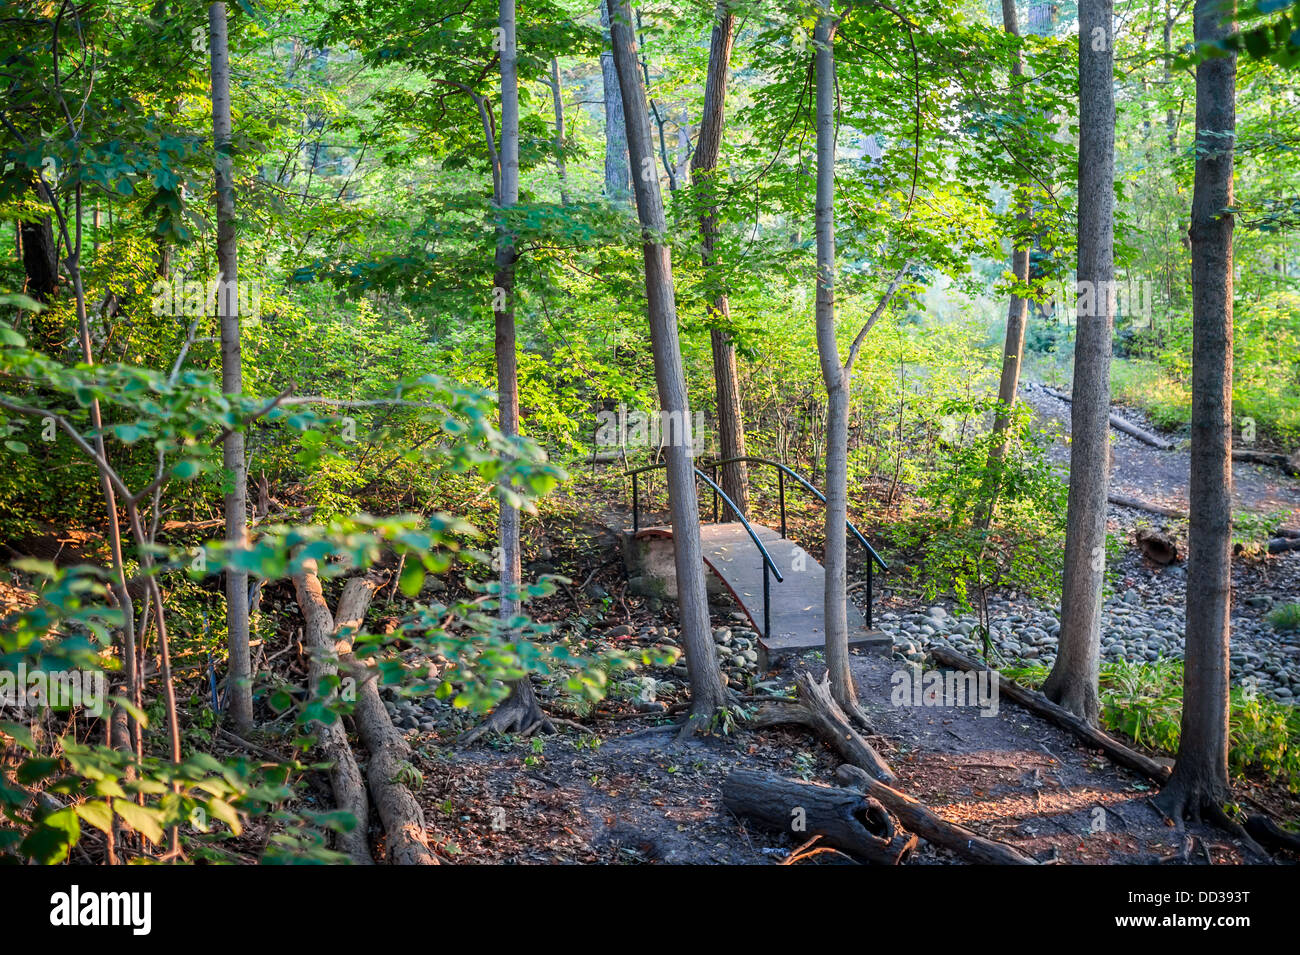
818 711
1187 798
519 713
389 773
345 776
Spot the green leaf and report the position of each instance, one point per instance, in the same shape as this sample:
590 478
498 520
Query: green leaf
226 813
7 335
98 813
35 769
412 578
140 818
50 842
187 469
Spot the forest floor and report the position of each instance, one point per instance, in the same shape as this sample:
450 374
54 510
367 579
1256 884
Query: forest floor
628 792
1160 477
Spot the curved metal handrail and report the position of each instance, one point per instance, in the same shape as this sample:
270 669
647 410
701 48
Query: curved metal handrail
769 565
767 558
808 485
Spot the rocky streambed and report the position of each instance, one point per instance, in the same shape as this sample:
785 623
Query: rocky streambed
1142 621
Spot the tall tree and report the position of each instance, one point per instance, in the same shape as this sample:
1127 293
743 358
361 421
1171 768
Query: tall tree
704 163
1200 778
558 103
1073 680
521 710
618 174
707 691
240 688
837 377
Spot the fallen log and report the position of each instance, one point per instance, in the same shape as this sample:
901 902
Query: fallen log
1279 545
345 776
1287 464
1269 834
1037 703
1289 532
1156 545
389 769
846 819
933 829
818 711
1123 500
1120 424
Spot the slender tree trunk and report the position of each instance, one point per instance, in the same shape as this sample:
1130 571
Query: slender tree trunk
834 375
1073 680
731 428
1171 118
1200 777
707 691
559 129
240 684
1013 349
520 710
618 174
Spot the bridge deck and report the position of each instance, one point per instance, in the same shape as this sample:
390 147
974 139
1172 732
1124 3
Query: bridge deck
797 603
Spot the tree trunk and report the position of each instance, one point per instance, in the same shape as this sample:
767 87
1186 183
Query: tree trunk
1073 680
844 818
520 710
559 130
707 691
240 683
1013 349
40 261
731 429
836 379
618 175
1200 779
345 776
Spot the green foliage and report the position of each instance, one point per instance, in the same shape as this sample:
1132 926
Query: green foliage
953 552
1286 617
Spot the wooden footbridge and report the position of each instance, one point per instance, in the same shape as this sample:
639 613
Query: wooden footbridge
777 584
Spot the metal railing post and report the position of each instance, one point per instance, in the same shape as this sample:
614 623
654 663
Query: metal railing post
714 473
635 505
871 575
780 484
767 604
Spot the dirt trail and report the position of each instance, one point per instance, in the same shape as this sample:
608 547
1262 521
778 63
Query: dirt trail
1161 477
